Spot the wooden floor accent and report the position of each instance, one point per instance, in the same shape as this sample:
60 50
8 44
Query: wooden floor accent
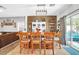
14 49
6 49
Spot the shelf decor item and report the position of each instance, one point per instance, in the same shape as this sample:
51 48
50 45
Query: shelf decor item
38 30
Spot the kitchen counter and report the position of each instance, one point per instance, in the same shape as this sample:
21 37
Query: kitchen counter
7 38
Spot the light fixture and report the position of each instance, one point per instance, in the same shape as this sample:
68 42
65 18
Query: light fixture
41 9
2 8
41 4
51 5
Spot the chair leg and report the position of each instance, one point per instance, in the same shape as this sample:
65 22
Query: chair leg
32 49
53 51
28 48
44 49
20 49
40 48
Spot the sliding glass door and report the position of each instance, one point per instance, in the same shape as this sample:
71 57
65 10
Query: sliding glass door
75 31
68 31
72 31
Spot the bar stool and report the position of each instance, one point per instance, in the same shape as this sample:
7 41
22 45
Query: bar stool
35 39
24 42
58 34
49 40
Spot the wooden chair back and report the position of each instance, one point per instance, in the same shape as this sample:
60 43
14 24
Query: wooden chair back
23 35
36 35
49 35
58 34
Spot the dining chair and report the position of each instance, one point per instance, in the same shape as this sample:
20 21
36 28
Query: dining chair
36 40
49 41
58 35
24 41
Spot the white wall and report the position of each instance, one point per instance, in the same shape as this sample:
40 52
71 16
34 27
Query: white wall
19 20
26 22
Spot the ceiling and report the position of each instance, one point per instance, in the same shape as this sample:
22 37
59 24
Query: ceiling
29 9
